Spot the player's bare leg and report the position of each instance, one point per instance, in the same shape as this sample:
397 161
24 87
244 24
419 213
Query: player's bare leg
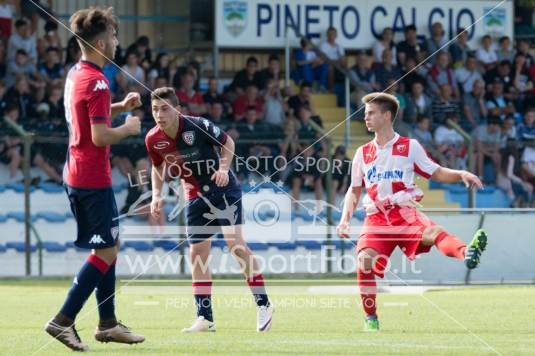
201 279
255 279
367 258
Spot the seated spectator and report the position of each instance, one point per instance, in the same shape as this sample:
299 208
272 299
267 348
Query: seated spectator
436 41
160 68
302 99
459 49
528 161
50 39
422 133
503 73
418 104
413 74
521 77
334 52
385 42
142 50
22 39
21 66
56 109
7 14
246 77
247 100
440 74
132 71
487 144
250 130
445 104
3 99
10 143
51 70
212 94
509 178
74 53
310 67
341 173
386 71
474 108
497 104
526 130
468 74
116 80
509 130
20 95
273 71
190 99
273 104
485 54
523 47
504 52
451 144
216 114
392 88
410 46
364 76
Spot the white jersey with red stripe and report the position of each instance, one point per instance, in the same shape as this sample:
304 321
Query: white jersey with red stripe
388 172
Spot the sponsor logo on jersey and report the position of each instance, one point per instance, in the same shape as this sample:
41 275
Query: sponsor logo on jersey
160 145
189 137
374 177
101 85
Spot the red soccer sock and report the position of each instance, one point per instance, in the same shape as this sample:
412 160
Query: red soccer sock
256 283
450 245
368 291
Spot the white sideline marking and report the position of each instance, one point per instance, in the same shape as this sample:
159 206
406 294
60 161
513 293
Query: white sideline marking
146 303
396 290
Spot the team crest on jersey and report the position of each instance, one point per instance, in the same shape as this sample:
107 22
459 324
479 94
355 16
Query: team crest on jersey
189 137
217 131
160 145
401 148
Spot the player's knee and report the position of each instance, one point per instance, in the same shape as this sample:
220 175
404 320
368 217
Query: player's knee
365 260
430 234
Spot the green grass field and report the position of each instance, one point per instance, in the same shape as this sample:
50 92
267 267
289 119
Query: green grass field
469 321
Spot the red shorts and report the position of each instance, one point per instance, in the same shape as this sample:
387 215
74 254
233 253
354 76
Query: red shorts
399 226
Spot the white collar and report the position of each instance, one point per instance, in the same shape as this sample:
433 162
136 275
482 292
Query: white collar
389 143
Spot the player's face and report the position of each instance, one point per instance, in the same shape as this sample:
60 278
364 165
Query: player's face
375 119
164 114
110 44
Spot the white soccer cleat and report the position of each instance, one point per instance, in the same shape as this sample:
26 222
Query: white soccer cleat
200 325
264 318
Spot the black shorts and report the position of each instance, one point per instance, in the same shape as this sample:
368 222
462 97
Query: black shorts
204 220
96 215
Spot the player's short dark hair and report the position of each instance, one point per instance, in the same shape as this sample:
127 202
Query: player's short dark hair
167 94
88 24
386 102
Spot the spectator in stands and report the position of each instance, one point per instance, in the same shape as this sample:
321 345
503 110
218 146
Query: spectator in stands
51 70
528 161
410 46
251 130
273 71
3 64
509 178
74 53
212 94
392 88
10 143
468 74
504 52
116 80
142 50
56 109
474 108
440 74
33 10
418 104
445 104
21 66
509 130
523 48
20 95
311 67
3 99
333 51
364 76
216 114
503 73
22 39
340 173
497 103
246 77
7 14
487 144
459 49
422 132
385 42
273 104
485 54
451 144
289 145
50 39
386 71
413 74
436 41
132 71
526 130
160 68
190 99
247 100
302 99
521 76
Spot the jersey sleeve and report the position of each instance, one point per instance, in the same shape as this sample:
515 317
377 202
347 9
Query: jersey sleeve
357 172
211 133
99 102
423 164
155 158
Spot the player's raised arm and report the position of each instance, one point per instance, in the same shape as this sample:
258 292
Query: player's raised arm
131 101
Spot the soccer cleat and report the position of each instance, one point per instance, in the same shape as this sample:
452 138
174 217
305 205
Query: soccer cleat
264 317
200 325
475 249
119 333
67 335
371 325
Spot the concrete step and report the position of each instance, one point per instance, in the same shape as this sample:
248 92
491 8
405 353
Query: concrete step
323 100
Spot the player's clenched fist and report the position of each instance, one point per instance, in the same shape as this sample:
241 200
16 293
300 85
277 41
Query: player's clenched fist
343 229
131 101
156 206
220 178
134 125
